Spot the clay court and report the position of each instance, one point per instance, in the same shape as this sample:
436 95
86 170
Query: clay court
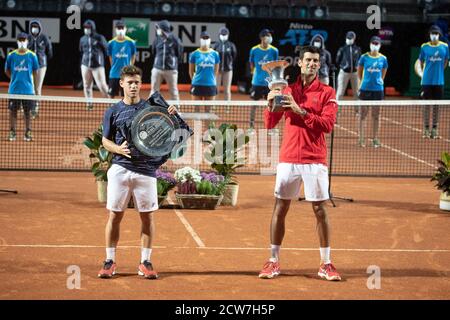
55 225
55 222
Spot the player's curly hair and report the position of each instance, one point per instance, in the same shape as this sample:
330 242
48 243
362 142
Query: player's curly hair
130 71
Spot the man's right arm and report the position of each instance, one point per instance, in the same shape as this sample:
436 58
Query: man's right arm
108 133
271 119
360 73
8 67
115 148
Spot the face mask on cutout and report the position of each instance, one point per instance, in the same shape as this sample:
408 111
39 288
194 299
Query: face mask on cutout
22 44
87 31
223 37
349 42
375 47
268 40
34 30
434 36
317 44
205 42
121 32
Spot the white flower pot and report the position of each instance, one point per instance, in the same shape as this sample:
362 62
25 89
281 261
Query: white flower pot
101 191
444 203
230 195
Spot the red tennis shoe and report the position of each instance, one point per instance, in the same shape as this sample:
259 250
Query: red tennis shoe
146 270
270 270
108 270
328 271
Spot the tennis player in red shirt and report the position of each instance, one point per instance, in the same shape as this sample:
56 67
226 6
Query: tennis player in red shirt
310 112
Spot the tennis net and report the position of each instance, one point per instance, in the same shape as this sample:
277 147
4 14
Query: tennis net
64 122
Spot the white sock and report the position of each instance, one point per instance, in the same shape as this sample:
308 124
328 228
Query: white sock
111 254
275 251
325 255
145 254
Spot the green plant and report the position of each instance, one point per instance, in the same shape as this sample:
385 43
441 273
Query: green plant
442 175
101 158
210 188
225 144
164 182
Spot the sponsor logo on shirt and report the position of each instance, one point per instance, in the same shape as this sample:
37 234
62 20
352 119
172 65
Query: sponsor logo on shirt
436 57
374 68
208 62
121 53
264 60
21 66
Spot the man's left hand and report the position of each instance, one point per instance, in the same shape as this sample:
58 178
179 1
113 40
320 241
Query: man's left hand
289 102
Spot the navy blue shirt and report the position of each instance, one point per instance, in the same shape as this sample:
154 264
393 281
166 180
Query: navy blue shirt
117 128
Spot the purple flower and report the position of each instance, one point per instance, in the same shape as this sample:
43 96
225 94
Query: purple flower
212 177
166 176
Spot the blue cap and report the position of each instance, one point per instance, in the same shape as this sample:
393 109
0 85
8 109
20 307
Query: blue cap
265 32
375 39
22 35
204 34
435 29
120 23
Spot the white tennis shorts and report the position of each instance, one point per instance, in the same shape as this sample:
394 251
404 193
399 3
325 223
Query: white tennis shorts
123 183
289 180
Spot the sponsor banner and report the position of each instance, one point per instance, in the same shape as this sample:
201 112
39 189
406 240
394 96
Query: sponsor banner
10 27
144 31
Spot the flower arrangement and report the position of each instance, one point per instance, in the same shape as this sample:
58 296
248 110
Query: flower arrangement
165 181
191 181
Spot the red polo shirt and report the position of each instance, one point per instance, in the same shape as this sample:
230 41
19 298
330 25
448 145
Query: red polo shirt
304 137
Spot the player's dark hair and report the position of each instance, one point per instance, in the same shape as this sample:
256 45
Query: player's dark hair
309 49
130 71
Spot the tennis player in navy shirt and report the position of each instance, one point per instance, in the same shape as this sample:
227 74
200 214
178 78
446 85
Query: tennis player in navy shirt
131 174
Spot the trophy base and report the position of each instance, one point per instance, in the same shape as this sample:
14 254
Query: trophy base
277 104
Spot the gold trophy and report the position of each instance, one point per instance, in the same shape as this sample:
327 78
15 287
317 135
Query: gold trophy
276 71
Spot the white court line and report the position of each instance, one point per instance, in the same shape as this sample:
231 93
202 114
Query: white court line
391 148
187 225
407 126
70 246
63 246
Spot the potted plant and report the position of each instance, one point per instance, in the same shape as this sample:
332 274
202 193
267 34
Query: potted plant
225 160
197 190
165 181
442 176
101 160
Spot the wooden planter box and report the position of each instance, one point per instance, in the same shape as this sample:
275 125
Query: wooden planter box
198 201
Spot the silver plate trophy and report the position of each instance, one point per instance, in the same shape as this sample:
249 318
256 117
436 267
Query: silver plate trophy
152 129
276 71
